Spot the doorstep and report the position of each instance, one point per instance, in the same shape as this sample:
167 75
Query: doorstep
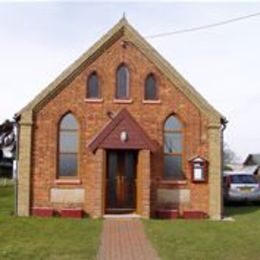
121 216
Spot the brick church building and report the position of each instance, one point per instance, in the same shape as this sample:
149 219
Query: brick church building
120 131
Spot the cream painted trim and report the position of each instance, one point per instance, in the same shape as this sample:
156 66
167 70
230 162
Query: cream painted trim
101 44
120 29
171 73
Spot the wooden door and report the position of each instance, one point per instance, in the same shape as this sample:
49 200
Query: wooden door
121 181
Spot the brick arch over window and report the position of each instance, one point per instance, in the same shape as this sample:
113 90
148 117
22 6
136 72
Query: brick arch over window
150 87
173 148
93 86
68 146
122 82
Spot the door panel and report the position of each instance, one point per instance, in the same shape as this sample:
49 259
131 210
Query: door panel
121 178
130 179
112 179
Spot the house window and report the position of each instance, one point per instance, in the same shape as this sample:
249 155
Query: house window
122 82
93 86
173 148
68 146
150 91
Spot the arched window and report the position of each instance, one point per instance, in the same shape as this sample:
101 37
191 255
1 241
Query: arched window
68 146
93 86
173 148
122 82
150 88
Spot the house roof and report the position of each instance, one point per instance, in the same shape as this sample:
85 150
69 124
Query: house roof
250 169
122 28
252 159
244 170
109 136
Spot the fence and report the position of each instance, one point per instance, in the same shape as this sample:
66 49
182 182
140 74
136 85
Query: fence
6 182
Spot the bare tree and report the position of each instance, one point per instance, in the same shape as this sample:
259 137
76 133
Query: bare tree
7 137
229 156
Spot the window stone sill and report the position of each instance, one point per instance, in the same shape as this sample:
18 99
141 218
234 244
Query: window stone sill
94 100
67 181
123 101
174 182
152 101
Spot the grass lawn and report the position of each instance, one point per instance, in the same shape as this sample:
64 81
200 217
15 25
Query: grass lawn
200 239
45 238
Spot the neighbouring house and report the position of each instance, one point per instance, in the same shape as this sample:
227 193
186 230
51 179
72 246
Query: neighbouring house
252 163
120 131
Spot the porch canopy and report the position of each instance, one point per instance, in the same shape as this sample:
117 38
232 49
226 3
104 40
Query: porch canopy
122 132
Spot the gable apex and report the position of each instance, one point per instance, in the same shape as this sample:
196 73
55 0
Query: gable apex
123 28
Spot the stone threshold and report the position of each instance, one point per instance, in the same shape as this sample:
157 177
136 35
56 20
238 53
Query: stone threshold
121 216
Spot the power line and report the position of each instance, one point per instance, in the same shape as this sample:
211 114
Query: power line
202 27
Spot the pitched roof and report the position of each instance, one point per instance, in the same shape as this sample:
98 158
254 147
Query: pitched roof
252 159
109 136
122 28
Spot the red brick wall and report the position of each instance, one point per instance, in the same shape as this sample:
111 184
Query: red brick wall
92 117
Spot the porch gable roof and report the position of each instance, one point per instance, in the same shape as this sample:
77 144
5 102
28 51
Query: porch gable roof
109 136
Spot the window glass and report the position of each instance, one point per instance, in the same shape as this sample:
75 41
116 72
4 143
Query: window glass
172 123
68 141
68 146
69 122
240 179
172 142
173 148
93 86
172 167
150 88
68 165
122 82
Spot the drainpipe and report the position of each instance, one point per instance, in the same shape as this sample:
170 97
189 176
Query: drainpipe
15 172
224 122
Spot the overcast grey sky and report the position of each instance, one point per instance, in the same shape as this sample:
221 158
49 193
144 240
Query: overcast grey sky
39 40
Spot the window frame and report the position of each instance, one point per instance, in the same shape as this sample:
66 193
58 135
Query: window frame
174 154
98 97
127 97
156 98
59 152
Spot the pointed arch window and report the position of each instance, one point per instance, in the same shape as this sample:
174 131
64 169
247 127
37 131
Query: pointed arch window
173 140
122 82
93 90
150 88
68 146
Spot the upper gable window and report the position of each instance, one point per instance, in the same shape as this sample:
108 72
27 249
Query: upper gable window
68 146
122 82
93 86
150 91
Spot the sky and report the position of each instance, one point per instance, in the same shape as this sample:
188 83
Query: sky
39 40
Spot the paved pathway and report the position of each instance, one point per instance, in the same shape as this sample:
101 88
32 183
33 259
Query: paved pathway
124 239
